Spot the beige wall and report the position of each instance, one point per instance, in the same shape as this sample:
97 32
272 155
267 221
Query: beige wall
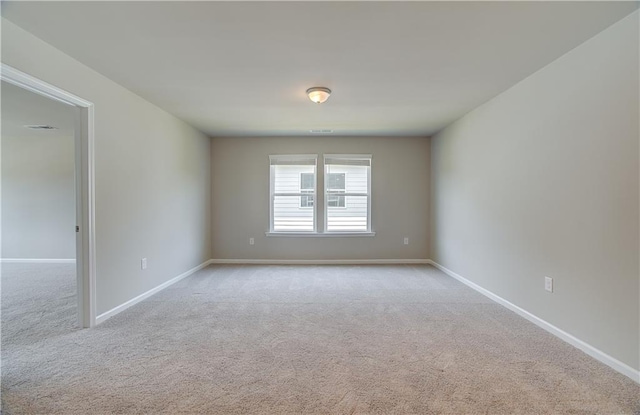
38 197
240 189
152 175
543 181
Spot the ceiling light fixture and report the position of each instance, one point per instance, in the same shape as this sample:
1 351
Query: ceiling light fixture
318 94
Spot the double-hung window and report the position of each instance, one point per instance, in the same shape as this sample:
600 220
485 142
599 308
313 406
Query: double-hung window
293 193
339 199
347 193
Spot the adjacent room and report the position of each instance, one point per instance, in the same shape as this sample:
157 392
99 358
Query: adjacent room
320 207
38 215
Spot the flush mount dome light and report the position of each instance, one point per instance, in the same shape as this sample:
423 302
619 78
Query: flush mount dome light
318 94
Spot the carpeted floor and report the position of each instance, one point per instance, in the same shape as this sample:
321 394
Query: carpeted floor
292 340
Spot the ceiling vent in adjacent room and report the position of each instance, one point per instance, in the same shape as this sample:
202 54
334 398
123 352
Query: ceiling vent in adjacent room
321 131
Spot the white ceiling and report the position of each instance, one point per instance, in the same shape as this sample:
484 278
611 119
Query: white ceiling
242 68
21 107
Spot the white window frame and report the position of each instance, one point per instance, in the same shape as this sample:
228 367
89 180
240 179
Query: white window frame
273 159
318 198
346 194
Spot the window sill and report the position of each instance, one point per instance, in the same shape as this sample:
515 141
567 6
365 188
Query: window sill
321 235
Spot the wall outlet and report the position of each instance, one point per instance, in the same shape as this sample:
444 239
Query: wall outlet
143 263
548 284
406 240
252 241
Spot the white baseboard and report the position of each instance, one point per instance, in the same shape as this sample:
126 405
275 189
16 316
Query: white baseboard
318 261
37 261
104 316
572 340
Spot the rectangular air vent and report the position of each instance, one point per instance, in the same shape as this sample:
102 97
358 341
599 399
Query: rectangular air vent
321 131
40 127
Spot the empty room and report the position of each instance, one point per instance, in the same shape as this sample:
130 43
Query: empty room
320 207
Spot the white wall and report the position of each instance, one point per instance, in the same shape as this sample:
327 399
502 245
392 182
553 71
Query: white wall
400 198
152 175
543 181
38 197
38 200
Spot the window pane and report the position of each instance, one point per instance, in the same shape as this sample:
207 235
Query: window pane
352 179
306 201
306 186
307 181
352 218
346 213
287 178
289 216
335 201
335 181
291 210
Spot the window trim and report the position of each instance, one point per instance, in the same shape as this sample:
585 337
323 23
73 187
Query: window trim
334 234
316 233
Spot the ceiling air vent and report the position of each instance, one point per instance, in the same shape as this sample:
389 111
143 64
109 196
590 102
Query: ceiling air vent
40 127
321 131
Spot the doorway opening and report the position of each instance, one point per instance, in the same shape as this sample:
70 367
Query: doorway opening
47 199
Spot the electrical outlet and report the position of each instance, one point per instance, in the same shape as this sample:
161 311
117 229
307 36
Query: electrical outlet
406 240
548 284
143 263
252 241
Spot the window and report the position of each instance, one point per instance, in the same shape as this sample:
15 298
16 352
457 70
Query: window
342 207
293 193
307 186
347 184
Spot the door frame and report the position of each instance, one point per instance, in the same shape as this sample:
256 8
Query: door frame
85 185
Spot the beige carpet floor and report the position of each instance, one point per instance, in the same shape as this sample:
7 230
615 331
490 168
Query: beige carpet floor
292 340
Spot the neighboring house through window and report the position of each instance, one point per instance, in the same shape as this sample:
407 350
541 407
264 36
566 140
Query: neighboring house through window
307 186
336 184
